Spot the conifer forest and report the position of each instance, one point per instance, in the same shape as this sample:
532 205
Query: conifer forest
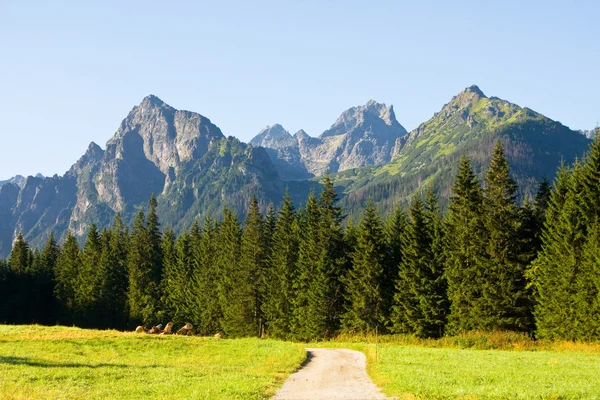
487 262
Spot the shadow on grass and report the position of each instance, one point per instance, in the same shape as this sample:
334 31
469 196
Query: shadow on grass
54 364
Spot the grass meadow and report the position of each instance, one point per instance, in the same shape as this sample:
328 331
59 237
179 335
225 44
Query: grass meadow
479 366
70 363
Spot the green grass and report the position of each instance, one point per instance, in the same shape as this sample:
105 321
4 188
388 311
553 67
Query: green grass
480 366
69 363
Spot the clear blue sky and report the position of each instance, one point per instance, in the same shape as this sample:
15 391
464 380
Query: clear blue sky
71 71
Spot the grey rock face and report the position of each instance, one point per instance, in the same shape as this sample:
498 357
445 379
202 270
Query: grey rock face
179 156
18 180
361 136
284 151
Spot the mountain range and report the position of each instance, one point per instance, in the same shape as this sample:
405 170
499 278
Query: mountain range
194 170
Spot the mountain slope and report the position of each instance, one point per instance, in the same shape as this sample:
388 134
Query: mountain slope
361 136
180 156
470 123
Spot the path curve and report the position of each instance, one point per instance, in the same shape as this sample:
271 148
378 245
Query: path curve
331 374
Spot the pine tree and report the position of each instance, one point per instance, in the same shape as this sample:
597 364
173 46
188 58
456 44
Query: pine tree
277 306
333 258
44 281
555 269
154 242
143 289
68 266
88 285
20 259
464 243
395 232
505 303
364 282
171 294
235 290
585 303
309 315
114 276
420 302
206 308
250 287
435 306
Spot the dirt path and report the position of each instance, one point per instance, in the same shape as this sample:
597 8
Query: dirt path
331 374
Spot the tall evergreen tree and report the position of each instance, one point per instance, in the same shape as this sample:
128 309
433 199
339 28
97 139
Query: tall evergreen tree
555 269
206 308
114 276
143 296
68 266
154 238
235 291
277 306
253 254
465 240
88 285
395 231
333 259
505 303
420 302
308 305
20 259
170 288
585 303
364 282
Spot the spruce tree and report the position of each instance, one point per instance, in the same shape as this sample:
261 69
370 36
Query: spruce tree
555 269
333 260
585 303
506 302
250 287
206 308
114 276
420 302
20 259
364 282
277 306
44 282
170 284
88 285
395 231
154 238
465 240
309 313
68 266
235 291
143 296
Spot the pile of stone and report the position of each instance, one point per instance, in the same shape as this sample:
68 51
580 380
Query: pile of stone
187 330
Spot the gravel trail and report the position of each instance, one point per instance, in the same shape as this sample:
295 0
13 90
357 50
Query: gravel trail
331 374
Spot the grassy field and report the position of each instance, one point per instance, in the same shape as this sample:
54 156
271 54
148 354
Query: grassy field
480 366
69 363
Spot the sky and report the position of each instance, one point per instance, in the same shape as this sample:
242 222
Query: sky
70 71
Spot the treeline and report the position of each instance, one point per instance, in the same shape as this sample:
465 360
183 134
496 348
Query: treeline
487 264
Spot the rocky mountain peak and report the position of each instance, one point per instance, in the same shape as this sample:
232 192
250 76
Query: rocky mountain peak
474 89
367 116
273 137
152 100
301 134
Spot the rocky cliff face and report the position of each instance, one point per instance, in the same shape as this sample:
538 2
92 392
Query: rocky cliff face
361 136
179 156
18 180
